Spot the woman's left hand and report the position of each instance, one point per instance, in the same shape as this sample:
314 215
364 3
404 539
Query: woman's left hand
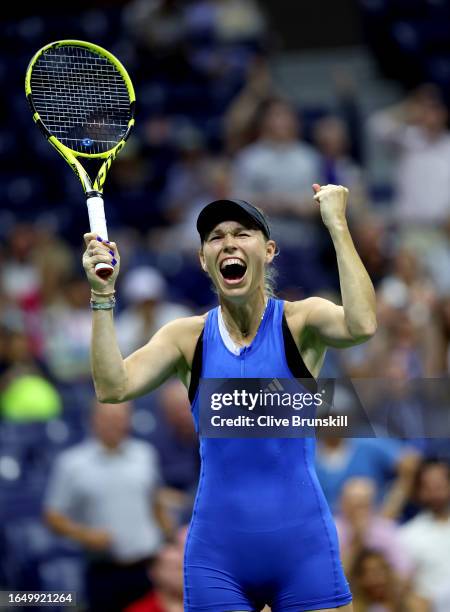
332 200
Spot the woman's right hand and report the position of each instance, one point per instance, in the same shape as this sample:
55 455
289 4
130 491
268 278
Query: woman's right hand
98 251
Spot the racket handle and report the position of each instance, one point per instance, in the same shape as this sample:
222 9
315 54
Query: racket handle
97 222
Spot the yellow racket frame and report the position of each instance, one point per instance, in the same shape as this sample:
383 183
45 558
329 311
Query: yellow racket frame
67 153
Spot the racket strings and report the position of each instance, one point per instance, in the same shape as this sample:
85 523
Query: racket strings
81 98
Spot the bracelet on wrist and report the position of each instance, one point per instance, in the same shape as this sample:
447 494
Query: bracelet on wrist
103 305
103 294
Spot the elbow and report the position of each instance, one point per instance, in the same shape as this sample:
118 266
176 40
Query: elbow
110 396
370 329
365 332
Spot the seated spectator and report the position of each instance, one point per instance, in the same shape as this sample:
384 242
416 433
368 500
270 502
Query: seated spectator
407 285
147 308
437 260
442 345
177 441
67 332
376 587
167 576
19 275
360 525
379 459
29 397
103 494
426 537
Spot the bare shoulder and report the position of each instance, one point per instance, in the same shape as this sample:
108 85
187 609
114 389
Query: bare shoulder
297 312
187 324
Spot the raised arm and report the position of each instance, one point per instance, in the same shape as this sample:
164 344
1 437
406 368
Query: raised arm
117 379
354 321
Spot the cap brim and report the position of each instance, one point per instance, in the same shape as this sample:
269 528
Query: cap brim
230 210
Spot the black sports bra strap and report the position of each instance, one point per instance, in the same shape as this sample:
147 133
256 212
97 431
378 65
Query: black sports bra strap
196 369
293 357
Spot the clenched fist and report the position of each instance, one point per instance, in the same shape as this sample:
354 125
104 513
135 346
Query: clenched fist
100 251
332 200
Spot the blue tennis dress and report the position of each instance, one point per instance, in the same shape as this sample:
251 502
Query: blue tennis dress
261 530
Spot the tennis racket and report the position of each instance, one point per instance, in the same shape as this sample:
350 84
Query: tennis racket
82 99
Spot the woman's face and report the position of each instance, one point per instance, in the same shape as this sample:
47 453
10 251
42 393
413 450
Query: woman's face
235 258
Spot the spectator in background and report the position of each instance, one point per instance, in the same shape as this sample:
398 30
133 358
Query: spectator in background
276 173
147 308
67 328
408 286
213 183
54 259
416 131
177 442
158 28
407 342
35 262
167 576
437 260
376 587
19 275
374 244
223 35
30 397
179 243
188 177
426 537
103 494
236 20
17 358
360 525
442 335
331 137
21 283
239 121
379 459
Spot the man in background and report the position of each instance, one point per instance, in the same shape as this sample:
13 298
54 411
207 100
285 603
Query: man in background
426 537
103 494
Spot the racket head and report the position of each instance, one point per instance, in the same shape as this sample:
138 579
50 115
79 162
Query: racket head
81 97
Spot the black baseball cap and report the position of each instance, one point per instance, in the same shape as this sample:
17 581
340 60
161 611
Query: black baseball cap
230 210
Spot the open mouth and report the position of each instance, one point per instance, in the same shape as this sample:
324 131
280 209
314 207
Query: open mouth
233 270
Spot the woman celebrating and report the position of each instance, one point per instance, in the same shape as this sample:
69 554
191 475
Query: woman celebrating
261 531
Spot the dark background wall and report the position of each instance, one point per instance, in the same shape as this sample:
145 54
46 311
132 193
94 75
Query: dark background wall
309 24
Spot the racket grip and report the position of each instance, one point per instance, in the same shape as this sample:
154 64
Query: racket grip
97 223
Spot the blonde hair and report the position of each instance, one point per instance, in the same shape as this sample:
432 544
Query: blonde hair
270 277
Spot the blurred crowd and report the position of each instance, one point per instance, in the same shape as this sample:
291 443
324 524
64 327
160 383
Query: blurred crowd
211 123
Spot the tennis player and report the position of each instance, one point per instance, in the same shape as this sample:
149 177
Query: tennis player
261 531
